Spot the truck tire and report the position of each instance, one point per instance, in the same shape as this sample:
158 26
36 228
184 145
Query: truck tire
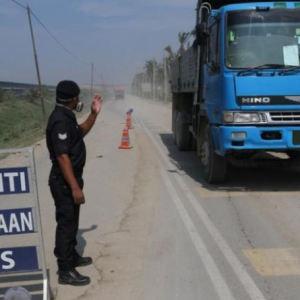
182 132
193 143
294 155
174 125
199 139
215 166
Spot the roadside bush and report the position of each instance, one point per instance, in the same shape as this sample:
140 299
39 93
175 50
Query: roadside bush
32 95
21 131
6 96
2 93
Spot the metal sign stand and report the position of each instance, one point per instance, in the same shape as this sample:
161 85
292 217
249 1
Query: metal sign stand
22 254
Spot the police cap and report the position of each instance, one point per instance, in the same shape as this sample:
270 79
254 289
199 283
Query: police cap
66 90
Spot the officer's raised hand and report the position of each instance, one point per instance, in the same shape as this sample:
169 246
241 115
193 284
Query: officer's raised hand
95 110
96 104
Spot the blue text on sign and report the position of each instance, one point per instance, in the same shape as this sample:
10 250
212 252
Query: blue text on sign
14 181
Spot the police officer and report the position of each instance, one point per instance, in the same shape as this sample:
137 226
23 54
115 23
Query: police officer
68 155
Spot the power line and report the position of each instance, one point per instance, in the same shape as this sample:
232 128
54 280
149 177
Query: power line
19 4
48 31
57 41
98 73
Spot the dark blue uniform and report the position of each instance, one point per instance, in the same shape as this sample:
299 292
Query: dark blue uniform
64 136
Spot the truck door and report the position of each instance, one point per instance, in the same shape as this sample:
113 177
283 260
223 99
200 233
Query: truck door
212 92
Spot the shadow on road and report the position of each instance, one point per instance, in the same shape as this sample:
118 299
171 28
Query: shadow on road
264 178
80 239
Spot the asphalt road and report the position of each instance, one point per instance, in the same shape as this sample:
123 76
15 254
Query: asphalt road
157 231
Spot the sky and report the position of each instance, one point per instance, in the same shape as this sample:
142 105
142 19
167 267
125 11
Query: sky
117 36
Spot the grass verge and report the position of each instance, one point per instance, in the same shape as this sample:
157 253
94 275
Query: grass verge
21 121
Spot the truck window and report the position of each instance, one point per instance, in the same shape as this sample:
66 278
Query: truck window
262 37
214 47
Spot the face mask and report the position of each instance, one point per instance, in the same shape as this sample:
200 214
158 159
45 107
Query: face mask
79 107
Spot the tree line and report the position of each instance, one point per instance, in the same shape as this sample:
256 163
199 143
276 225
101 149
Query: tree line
153 81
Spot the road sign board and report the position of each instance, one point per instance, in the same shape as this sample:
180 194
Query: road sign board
22 258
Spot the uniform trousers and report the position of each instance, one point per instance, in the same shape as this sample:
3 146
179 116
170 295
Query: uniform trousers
67 222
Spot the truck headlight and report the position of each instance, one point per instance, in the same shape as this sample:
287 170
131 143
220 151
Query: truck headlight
240 117
246 118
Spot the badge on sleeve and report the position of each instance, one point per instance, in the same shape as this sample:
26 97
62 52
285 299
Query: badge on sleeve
62 136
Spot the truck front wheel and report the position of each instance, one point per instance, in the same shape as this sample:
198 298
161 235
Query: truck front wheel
294 155
215 166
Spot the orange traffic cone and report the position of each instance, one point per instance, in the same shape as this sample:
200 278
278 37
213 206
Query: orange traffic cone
125 142
128 121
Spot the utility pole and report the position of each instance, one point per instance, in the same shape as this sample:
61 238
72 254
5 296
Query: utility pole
153 85
37 66
103 91
92 79
144 85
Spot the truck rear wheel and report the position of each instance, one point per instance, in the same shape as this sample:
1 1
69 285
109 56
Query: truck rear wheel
175 113
182 133
215 166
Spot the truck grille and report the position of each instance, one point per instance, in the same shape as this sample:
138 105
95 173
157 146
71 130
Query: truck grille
285 116
263 118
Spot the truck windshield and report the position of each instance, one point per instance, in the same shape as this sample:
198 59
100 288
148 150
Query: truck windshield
259 37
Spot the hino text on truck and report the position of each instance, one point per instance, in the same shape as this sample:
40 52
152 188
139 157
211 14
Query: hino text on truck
236 90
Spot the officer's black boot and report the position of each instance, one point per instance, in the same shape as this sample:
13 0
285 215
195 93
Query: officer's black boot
72 277
82 261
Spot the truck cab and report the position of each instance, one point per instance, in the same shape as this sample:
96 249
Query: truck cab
241 94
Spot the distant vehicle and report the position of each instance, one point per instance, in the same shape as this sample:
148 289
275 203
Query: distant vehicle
119 93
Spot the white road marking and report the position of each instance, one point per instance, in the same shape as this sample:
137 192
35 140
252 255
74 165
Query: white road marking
216 278
247 282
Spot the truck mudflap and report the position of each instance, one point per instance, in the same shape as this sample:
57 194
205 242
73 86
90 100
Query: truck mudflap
256 138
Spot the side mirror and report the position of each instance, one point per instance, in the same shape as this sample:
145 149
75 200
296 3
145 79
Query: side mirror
201 34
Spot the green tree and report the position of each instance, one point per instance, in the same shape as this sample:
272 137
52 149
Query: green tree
171 54
182 37
32 95
150 65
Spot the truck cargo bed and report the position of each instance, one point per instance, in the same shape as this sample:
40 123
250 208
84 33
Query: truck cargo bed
183 72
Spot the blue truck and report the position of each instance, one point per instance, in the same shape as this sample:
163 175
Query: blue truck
236 90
